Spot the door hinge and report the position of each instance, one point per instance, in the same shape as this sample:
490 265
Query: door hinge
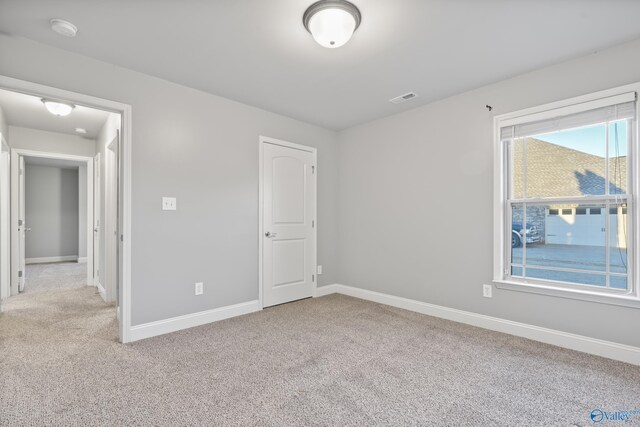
20 222
313 169
313 277
313 223
19 273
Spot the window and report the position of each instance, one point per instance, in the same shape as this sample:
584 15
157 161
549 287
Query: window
556 164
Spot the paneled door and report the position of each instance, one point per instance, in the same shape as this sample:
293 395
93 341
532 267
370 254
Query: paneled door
288 231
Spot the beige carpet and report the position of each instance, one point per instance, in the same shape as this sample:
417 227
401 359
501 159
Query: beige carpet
57 275
331 361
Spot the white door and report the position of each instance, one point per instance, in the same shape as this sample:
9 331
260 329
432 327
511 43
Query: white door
288 223
96 220
5 223
111 220
22 226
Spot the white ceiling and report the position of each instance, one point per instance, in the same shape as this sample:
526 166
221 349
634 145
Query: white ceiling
28 111
258 52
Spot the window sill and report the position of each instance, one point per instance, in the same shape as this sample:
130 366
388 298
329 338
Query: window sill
584 295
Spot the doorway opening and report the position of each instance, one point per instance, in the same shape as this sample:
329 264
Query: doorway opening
54 197
65 196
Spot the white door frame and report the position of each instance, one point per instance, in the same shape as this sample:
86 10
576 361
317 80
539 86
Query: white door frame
16 153
5 220
262 140
125 111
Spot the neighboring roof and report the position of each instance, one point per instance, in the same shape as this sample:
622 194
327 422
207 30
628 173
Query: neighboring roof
557 171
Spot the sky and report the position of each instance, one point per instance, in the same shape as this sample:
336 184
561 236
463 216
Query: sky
591 139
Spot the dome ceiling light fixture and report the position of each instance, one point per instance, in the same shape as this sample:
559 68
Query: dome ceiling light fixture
64 28
332 22
58 108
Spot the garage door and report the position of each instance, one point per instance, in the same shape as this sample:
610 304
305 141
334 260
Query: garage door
575 226
584 226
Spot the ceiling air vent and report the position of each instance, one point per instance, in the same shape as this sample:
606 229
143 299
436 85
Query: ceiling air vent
402 98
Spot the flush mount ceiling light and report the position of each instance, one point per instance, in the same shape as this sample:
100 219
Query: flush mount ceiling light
332 22
58 108
64 28
81 130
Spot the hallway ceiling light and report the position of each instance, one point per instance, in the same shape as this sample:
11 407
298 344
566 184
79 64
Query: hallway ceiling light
332 22
64 28
58 108
81 130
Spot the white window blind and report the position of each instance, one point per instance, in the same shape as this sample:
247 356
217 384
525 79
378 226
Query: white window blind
625 110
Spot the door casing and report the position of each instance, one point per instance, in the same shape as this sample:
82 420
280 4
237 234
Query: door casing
16 200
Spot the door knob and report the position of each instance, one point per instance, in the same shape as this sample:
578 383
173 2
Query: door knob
270 234
95 230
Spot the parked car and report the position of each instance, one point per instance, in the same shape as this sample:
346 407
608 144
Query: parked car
518 233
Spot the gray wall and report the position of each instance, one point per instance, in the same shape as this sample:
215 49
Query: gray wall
416 200
51 211
82 211
202 149
54 142
4 127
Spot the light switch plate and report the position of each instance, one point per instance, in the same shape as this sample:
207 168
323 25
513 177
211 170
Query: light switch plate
319 270
199 288
169 204
487 291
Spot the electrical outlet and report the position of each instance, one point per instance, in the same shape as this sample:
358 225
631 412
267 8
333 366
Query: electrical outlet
319 270
199 288
487 291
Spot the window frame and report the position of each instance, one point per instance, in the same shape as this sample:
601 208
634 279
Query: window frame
502 228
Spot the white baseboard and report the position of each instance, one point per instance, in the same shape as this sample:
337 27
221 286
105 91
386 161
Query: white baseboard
102 291
611 350
326 290
48 259
152 329
82 259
